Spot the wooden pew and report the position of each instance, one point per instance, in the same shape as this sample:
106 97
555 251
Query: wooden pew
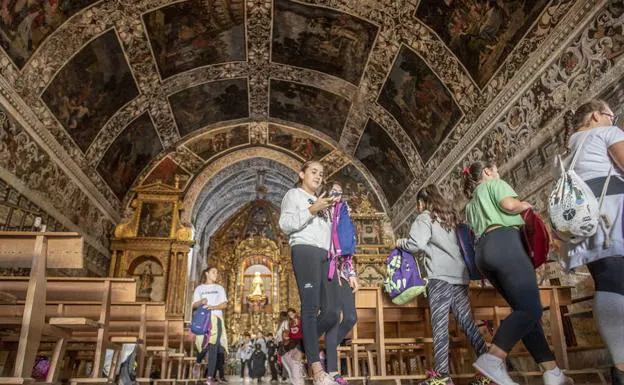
483 301
65 291
37 251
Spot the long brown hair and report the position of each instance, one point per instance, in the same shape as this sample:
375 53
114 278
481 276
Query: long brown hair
578 118
304 168
472 175
439 207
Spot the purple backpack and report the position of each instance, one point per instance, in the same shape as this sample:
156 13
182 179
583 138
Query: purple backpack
403 281
466 240
343 232
200 325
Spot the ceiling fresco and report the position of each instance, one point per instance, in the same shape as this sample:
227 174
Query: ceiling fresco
393 93
196 33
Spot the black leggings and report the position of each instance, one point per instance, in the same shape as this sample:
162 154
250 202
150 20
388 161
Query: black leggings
311 267
211 350
346 304
608 274
501 257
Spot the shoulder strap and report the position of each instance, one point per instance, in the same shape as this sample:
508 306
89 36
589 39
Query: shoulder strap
604 188
577 152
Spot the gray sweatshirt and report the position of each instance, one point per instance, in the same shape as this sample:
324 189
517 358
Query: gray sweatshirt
302 227
443 259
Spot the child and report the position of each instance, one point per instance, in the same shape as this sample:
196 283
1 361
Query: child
493 212
212 296
258 362
433 232
244 353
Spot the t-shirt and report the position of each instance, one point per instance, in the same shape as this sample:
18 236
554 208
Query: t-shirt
594 160
213 293
483 211
302 227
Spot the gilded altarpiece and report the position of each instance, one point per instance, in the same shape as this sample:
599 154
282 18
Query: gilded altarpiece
152 246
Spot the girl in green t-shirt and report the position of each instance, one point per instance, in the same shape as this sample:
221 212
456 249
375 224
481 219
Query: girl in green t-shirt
493 213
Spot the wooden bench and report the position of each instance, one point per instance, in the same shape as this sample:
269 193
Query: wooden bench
37 251
91 295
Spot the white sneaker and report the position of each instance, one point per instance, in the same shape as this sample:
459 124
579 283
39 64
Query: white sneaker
324 379
556 377
493 367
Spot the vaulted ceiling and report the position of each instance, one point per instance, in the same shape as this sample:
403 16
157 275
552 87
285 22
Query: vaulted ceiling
387 93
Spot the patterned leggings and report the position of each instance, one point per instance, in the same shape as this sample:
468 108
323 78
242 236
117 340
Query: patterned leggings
444 297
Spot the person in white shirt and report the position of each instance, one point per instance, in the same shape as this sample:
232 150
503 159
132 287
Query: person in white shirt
305 219
211 296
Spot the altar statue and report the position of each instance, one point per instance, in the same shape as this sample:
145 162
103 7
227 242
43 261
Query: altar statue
257 285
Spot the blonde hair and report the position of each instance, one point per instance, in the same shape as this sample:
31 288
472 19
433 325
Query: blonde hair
304 168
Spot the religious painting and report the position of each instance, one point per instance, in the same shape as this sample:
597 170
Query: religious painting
420 102
150 279
210 103
196 33
321 39
24 25
480 33
356 190
383 158
129 154
302 145
309 106
166 172
91 88
155 220
212 143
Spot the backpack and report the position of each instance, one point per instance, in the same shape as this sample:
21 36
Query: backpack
403 281
343 231
573 209
200 325
535 237
466 240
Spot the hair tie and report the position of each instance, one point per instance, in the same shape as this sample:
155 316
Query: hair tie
466 170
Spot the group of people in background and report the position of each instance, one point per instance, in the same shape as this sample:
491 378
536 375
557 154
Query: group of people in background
493 213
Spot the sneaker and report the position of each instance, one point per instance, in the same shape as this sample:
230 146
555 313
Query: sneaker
480 379
195 371
435 378
617 376
210 381
340 380
493 367
324 379
556 377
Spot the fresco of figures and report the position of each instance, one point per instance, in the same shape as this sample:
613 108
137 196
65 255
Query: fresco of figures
210 103
24 25
129 154
299 103
212 143
155 220
294 141
321 39
480 33
196 33
420 102
166 171
383 158
91 88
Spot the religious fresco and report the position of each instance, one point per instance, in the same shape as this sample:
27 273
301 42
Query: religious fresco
90 88
321 39
383 158
260 222
129 154
196 33
166 172
305 104
212 143
24 25
356 189
420 102
209 103
155 220
302 145
480 33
